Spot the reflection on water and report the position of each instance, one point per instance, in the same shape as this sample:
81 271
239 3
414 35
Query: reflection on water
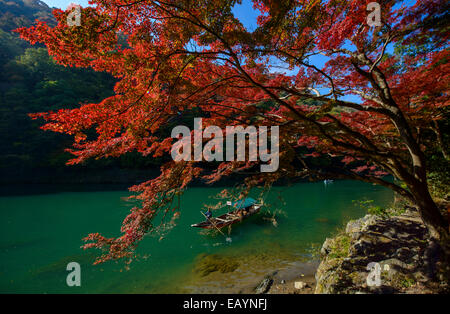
41 234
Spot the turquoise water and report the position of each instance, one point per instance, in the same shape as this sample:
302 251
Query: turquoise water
41 234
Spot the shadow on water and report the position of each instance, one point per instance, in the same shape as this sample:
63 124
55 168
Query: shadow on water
58 268
6 247
50 188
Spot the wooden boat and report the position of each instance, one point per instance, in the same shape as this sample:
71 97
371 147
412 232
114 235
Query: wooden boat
244 209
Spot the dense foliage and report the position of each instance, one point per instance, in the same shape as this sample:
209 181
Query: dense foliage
183 54
31 81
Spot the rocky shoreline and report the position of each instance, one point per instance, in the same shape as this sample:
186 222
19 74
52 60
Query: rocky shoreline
389 254
381 255
297 279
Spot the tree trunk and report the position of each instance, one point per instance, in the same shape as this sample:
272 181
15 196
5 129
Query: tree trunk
439 137
432 218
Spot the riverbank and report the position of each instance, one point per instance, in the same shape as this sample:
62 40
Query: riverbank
384 253
299 279
393 251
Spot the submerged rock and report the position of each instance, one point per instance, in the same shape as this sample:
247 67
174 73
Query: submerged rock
207 264
264 285
322 220
58 267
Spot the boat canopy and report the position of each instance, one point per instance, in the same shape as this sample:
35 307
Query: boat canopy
246 202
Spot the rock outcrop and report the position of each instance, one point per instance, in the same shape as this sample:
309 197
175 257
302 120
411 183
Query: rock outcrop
265 285
380 255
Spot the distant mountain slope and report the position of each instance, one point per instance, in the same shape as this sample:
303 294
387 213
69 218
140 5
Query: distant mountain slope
19 13
31 81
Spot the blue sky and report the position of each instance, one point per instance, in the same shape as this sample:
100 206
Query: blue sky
246 14
63 4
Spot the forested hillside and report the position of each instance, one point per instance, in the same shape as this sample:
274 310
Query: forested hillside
31 81
19 13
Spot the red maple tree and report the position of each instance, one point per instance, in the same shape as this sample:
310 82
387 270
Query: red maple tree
175 55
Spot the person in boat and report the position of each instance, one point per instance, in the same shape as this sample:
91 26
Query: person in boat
208 214
243 212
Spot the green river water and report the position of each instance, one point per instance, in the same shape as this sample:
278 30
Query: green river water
41 233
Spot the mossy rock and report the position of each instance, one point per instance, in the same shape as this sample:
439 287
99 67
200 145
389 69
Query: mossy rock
340 246
207 264
402 281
